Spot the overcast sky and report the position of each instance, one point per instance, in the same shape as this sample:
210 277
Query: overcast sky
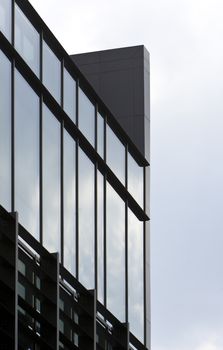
185 41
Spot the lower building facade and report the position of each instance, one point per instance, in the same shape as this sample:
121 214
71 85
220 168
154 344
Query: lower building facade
74 200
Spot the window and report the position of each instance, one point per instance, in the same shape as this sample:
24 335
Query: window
5 131
135 276
70 95
27 40
86 119
135 180
115 155
5 18
51 72
100 237
100 135
69 203
115 242
27 155
86 221
51 181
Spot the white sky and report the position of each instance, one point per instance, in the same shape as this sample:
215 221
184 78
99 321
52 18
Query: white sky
185 40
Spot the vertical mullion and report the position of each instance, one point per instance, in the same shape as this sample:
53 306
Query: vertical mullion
144 256
13 135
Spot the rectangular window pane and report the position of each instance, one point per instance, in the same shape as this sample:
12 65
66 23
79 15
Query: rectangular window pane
115 230
135 180
69 203
135 276
27 155
101 128
51 181
51 72
70 95
5 132
86 117
27 40
5 18
86 221
100 238
115 155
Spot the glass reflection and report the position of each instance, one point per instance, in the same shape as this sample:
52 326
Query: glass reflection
135 180
51 181
86 118
115 239
51 72
27 40
69 95
69 203
135 276
86 221
27 155
115 155
100 237
5 131
5 18
100 135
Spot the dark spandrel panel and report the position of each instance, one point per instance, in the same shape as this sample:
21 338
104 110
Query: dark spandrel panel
135 276
115 240
27 40
135 180
51 72
27 191
86 221
86 117
70 95
51 181
100 237
115 155
5 18
100 135
5 131
69 204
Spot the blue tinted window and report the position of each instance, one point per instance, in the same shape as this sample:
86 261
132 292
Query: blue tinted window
27 155
86 117
135 276
115 240
135 180
5 18
51 181
100 237
27 40
100 134
70 95
86 221
51 72
115 155
5 131
69 203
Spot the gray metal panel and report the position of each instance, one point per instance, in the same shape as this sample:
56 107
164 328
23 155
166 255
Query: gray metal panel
121 78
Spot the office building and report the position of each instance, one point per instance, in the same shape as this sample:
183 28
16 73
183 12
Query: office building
74 191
